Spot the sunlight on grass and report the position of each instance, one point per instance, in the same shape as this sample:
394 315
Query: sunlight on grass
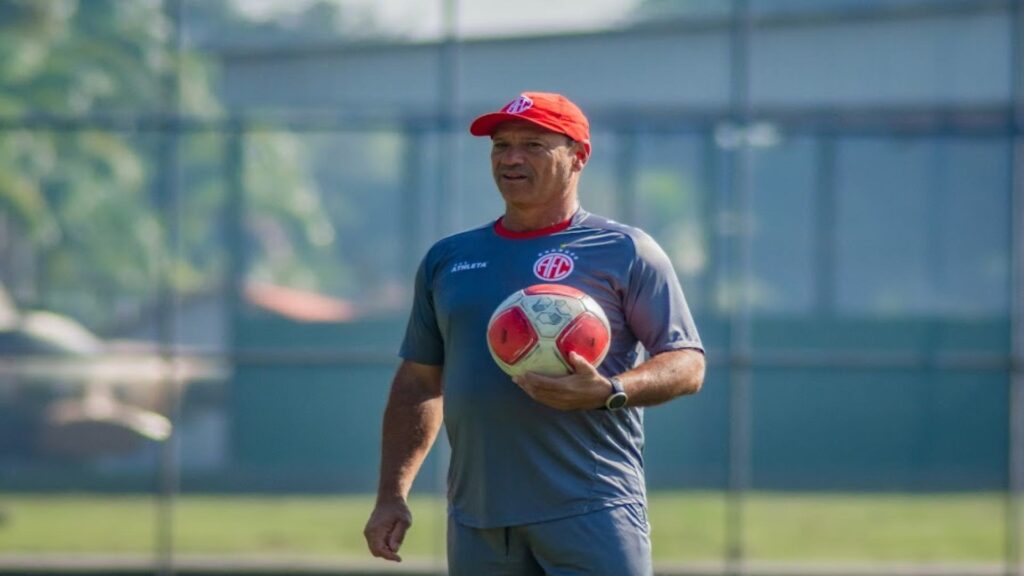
687 526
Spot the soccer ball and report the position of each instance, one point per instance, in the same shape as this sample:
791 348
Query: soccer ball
536 328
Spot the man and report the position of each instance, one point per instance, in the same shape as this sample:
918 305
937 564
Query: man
546 473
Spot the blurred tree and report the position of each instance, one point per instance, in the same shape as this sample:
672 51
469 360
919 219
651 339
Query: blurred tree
71 197
80 202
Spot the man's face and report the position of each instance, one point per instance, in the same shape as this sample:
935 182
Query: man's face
533 166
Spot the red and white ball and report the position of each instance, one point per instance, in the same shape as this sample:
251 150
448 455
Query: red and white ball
536 328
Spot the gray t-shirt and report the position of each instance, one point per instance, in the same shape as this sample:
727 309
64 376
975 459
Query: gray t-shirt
514 460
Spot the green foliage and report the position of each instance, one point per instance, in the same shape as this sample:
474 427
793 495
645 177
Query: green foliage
286 215
76 196
86 203
675 217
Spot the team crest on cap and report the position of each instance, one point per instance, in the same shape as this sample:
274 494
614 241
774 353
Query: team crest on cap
519 105
554 265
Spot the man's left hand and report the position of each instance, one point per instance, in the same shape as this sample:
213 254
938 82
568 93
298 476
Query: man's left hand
584 389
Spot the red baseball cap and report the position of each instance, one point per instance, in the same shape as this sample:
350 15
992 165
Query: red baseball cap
545 109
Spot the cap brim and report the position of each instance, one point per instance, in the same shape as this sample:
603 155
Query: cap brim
486 125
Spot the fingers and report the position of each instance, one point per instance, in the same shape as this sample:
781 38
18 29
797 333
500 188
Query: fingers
556 392
533 384
583 374
396 538
538 384
524 385
537 381
584 389
580 365
385 532
378 542
383 544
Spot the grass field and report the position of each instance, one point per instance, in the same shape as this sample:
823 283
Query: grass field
688 526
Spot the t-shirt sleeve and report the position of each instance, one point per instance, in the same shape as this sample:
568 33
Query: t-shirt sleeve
423 343
656 310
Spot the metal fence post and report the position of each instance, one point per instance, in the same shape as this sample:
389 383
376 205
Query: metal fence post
1015 499
739 325
169 206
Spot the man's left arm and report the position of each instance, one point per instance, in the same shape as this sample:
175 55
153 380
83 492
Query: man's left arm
664 377
657 314
661 378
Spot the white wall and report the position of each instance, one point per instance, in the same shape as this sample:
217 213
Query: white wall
941 60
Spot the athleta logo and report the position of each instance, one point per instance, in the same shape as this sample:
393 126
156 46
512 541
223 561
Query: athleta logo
519 105
460 266
554 265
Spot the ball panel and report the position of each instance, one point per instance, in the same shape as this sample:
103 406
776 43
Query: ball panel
559 289
544 359
507 302
594 308
511 335
506 368
536 328
587 336
550 314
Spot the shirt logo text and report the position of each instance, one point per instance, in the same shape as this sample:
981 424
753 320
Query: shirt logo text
462 266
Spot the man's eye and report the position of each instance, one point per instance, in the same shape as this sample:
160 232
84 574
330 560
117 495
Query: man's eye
535 146
499 146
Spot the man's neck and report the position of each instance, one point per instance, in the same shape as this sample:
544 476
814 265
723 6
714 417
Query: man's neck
528 219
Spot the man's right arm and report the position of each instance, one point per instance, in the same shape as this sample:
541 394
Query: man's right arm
412 420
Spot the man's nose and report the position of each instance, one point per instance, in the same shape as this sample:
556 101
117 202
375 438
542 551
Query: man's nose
512 156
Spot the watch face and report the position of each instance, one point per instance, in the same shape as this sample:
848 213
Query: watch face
616 401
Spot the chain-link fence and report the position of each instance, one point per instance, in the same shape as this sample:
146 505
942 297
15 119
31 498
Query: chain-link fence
212 213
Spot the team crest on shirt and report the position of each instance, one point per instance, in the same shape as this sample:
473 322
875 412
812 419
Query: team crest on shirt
554 265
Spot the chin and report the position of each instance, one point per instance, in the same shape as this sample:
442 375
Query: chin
515 195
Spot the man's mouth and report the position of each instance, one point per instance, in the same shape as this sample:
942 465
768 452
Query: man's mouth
513 177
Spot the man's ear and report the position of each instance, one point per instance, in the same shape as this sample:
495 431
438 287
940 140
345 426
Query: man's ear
580 157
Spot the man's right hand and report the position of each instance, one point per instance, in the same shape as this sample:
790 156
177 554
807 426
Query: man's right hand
386 529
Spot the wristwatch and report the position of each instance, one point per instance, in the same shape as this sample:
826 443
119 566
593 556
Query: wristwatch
618 398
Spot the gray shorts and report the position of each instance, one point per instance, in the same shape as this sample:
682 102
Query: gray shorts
614 541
